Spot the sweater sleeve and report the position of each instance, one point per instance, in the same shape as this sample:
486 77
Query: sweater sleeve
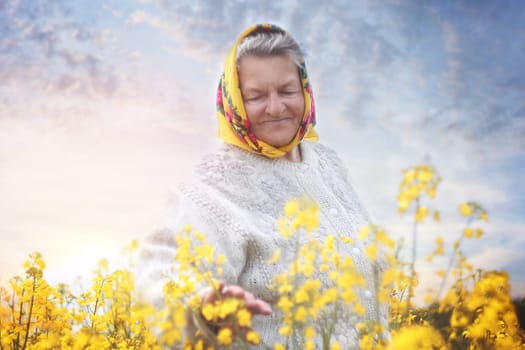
157 255
156 264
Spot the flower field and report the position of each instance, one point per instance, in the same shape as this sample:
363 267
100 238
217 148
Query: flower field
471 309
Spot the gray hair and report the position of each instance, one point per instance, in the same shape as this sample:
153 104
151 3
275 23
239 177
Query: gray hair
270 43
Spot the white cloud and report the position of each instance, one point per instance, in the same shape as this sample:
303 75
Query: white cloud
138 17
450 37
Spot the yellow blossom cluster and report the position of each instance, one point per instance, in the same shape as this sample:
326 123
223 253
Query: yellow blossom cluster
35 315
477 311
421 337
473 211
458 264
483 317
321 280
223 322
418 180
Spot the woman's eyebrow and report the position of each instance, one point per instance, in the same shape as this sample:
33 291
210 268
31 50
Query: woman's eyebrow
291 83
286 84
250 89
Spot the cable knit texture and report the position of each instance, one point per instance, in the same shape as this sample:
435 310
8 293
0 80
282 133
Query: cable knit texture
236 198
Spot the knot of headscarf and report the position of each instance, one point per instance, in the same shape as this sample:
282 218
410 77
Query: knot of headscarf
234 126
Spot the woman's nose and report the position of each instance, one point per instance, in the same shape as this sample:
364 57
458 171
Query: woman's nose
275 106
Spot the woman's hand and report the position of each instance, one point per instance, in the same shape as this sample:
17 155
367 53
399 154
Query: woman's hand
252 304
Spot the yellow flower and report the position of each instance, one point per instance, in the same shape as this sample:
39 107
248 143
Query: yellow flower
417 337
291 209
309 332
483 216
458 320
360 326
244 318
285 330
276 256
224 337
363 233
371 252
199 236
301 315
103 265
208 312
382 237
301 296
199 345
478 232
335 346
467 232
221 259
285 288
205 252
284 229
309 345
403 204
410 174
359 309
252 337
465 209
347 240
421 213
424 175
440 250
285 304
228 307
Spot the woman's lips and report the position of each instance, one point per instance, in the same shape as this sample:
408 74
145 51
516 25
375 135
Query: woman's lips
278 120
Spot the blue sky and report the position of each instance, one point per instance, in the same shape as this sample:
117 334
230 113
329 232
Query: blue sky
105 106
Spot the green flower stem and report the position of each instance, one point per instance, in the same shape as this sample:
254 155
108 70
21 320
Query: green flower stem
414 254
451 261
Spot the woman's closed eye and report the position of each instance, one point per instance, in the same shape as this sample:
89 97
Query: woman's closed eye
289 92
254 98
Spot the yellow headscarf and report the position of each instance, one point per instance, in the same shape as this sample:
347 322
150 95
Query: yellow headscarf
234 127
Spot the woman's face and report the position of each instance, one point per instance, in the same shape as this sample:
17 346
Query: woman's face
273 97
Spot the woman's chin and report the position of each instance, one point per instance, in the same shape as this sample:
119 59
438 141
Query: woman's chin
278 142
278 138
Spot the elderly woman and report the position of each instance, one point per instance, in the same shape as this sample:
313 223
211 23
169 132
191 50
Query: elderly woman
266 117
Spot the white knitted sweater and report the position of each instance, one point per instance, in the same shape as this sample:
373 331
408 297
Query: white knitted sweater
236 198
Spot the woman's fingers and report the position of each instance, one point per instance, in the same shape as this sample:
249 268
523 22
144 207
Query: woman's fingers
253 304
260 307
235 292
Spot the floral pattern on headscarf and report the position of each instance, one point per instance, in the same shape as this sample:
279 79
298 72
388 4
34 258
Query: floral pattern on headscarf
234 126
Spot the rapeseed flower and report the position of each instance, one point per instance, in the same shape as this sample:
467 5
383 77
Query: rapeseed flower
225 336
